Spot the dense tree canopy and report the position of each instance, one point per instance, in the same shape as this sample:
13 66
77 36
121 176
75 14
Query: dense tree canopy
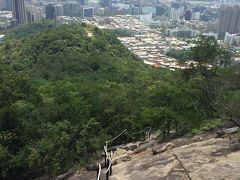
181 55
64 91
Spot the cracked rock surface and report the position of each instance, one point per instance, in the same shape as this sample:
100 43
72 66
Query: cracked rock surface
207 160
199 158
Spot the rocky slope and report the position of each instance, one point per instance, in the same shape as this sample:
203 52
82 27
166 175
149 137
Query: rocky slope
199 158
208 159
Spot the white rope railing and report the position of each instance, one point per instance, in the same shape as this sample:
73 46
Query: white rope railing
99 171
108 156
116 136
110 164
139 132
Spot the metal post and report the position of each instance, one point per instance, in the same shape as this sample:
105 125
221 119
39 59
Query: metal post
97 172
107 175
111 170
111 164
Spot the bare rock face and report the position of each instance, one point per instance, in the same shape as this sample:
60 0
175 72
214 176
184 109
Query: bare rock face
208 159
161 148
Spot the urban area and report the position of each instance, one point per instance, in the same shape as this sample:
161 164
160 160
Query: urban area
149 28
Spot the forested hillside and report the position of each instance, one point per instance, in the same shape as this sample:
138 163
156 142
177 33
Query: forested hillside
64 91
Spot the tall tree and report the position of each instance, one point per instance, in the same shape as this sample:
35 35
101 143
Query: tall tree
209 56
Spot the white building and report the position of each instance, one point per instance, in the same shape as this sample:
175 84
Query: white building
196 16
147 18
175 14
209 34
2 37
232 39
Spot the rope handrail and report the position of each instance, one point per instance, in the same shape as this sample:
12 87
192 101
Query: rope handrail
110 164
116 136
144 130
139 132
109 157
99 171
129 135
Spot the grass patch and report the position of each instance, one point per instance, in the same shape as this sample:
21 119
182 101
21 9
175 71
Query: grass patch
206 126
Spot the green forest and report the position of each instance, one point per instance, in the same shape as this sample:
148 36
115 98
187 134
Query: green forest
65 90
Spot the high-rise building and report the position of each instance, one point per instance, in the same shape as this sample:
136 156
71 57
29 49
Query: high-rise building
58 10
175 13
19 12
5 5
177 10
188 15
148 10
87 11
34 14
8 5
2 4
50 11
106 3
175 4
229 20
72 8
30 18
135 11
160 10
196 16
81 2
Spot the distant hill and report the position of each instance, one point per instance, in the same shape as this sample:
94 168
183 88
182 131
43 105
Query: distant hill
70 49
